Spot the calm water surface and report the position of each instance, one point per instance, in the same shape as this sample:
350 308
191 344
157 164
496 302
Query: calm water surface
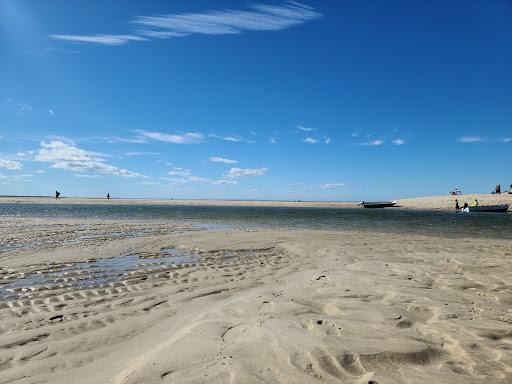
436 223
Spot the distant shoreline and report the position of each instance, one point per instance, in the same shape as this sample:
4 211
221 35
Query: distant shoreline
444 202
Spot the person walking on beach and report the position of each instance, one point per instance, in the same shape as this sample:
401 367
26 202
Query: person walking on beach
57 195
457 206
108 196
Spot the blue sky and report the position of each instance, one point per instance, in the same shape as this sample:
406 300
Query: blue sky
318 100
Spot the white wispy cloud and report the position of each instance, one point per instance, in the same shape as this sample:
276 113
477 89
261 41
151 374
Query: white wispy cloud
258 17
327 140
261 17
217 159
178 171
135 153
470 139
310 140
190 179
506 140
51 112
374 143
99 39
225 182
129 140
86 176
242 172
234 139
398 142
186 138
19 107
332 185
10 164
231 138
69 157
272 140
22 177
305 129
184 176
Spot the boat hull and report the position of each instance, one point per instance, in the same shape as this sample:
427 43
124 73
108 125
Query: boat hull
490 208
378 204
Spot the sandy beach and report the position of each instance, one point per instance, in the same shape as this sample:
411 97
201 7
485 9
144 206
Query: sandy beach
113 301
445 202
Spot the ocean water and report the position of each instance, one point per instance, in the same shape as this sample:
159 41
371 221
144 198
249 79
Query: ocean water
389 220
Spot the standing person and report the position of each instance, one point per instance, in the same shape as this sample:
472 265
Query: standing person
57 195
108 196
510 189
457 206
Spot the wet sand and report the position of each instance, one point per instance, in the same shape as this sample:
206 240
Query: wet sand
162 303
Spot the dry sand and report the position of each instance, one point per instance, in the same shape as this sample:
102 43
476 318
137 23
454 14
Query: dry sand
250 306
445 202
448 202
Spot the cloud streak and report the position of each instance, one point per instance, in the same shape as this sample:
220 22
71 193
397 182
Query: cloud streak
99 39
231 138
10 164
332 185
187 138
217 159
470 139
258 17
374 143
310 140
305 129
243 172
